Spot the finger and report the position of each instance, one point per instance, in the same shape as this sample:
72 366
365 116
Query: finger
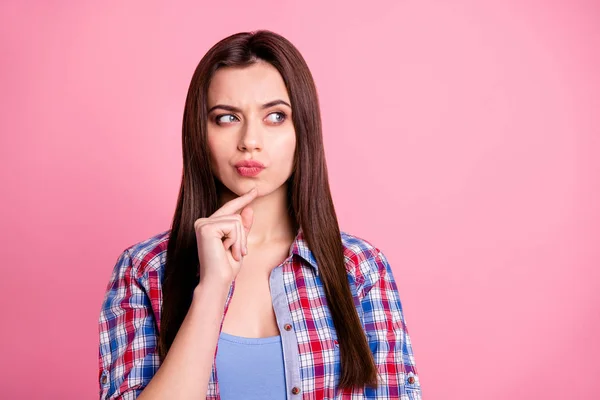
240 241
243 234
235 240
222 218
235 247
228 229
215 223
233 206
247 215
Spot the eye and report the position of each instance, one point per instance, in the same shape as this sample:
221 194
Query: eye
225 119
276 117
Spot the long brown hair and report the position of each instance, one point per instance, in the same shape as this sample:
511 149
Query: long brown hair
314 213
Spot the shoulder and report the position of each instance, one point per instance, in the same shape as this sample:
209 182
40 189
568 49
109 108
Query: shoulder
149 254
364 260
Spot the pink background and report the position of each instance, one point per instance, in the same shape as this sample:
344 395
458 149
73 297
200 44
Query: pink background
462 139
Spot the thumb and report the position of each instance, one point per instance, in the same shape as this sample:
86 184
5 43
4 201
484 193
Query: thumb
247 218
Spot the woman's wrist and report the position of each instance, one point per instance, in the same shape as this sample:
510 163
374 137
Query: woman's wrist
211 289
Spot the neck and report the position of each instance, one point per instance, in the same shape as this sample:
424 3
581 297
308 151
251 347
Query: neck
271 221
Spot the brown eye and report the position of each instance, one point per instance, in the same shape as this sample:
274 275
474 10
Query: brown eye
225 119
276 117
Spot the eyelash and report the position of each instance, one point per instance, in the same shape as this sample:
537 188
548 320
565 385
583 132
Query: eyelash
284 117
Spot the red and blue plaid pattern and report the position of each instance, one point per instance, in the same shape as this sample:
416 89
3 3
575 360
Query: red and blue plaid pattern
130 319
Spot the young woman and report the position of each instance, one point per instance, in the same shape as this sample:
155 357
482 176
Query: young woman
254 292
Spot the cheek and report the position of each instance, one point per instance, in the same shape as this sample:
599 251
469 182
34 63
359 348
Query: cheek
291 149
288 143
285 155
216 153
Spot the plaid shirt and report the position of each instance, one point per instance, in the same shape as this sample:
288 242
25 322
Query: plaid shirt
130 319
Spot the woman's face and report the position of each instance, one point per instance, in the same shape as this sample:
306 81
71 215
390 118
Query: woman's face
250 118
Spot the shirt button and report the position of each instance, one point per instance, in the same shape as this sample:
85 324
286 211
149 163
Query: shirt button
287 327
411 380
295 390
104 379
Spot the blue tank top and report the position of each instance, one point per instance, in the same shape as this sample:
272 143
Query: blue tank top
250 368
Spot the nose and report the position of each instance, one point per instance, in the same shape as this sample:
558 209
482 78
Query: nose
251 138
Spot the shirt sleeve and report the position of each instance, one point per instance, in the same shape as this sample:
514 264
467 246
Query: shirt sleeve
388 335
128 335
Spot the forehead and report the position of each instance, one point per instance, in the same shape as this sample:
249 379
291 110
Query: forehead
257 84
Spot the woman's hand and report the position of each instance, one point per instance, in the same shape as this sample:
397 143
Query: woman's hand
221 239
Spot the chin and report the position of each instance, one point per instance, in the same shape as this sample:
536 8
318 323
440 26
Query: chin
243 188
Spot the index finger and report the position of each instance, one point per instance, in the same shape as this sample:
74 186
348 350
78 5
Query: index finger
236 204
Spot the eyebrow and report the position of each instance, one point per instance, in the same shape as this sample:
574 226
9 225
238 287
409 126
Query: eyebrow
235 109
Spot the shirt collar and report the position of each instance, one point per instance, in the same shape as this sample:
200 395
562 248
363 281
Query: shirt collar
300 248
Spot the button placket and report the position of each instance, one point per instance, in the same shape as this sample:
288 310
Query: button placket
285 323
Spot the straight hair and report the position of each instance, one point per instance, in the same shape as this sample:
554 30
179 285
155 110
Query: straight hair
309 197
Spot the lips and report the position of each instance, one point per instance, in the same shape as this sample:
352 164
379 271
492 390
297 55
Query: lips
249 164
249 167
